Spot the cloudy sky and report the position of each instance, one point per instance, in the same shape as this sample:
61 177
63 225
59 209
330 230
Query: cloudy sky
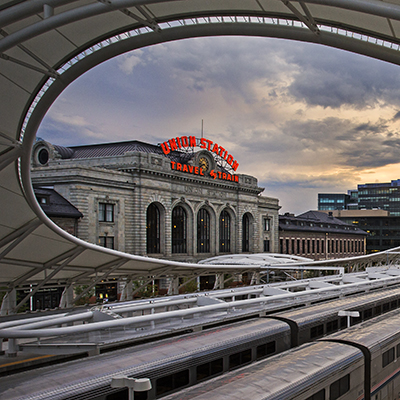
304 119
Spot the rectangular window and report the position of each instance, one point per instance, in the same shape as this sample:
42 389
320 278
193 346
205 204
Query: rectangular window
209 369
106 212
266 246
368 314
317 396
267 224
106 241
339 388
266 349
332 326
172 382
317 331
387 357
238 359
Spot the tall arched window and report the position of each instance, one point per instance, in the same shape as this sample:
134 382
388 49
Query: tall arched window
224 232
245 233
178 230
203 231
153 229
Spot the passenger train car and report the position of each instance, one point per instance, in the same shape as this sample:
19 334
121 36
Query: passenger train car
360 363
180 362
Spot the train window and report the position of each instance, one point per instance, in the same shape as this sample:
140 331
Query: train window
120 395
368 313
398 350
378 310
172 382
317 396
387 357
266 349
393 305
317 331
238 359
356 320
217 366
339 388
209 369
332 326
124 395
386 307
343 322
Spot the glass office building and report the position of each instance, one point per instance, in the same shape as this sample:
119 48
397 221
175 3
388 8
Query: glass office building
382 196
332 201
368 196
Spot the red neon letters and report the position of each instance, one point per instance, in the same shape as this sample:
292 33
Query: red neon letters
190 141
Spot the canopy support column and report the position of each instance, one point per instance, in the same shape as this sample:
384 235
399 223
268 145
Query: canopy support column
9 302
173 285
67 297
127 291
219 281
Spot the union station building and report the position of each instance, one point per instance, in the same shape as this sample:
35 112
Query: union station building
182 199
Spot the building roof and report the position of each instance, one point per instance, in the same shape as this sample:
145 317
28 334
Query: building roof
55 205
117 149
364 213
317 221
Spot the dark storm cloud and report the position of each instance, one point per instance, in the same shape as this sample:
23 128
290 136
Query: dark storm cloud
331 142
333 78
366 145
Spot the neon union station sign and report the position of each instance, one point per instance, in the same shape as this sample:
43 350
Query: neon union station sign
204 164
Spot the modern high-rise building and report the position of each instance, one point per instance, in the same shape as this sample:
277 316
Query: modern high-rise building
368 196
381 196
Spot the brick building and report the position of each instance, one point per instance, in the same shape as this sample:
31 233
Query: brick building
319 236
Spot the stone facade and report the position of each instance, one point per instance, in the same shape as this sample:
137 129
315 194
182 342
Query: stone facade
126 185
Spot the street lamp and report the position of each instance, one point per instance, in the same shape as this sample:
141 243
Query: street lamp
348 314
133 384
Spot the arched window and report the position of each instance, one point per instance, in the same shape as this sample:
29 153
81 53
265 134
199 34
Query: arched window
245 233
203 231
178 230
224 232
153 229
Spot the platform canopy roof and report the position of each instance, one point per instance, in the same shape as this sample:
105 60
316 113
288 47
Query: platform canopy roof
47 44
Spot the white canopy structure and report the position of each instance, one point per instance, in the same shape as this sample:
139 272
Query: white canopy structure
47 44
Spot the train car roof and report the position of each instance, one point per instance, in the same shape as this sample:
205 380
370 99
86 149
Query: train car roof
374 333
279 377
81 375
318 312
